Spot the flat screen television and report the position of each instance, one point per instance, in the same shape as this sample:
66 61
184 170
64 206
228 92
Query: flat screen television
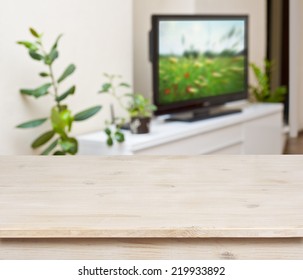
199 62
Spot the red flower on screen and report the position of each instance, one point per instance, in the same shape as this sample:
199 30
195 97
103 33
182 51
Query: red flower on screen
167 91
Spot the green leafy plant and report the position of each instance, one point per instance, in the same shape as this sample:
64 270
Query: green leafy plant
136 106
140 107
61 118
113 127
262 92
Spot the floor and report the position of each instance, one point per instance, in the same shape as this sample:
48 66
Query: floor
294 146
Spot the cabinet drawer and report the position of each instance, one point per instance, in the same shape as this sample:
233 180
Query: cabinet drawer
205 143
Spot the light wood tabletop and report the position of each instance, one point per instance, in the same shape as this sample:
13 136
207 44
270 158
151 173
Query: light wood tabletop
166 197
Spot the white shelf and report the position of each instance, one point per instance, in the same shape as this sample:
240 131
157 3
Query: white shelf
164 133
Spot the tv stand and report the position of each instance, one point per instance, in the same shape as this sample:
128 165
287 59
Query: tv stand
257 130
202 114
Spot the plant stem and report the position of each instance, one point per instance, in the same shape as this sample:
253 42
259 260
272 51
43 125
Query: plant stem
52 76
54 84
118 98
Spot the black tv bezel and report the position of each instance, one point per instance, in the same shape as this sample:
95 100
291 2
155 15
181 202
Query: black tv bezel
205 102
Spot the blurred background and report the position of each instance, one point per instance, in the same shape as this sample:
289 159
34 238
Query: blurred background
112 36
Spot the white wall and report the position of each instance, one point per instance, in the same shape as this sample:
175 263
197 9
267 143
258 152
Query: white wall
295 59
143 9
297 29
97 38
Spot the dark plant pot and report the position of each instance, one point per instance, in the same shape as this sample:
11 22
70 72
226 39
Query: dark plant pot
140 125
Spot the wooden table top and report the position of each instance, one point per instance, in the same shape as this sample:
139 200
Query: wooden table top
151 197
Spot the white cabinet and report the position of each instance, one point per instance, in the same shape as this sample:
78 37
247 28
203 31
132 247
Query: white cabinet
258 129
262 135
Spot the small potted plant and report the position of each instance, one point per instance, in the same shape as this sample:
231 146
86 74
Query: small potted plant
262 92
140 111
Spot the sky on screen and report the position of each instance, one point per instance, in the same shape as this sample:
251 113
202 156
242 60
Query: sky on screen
207 35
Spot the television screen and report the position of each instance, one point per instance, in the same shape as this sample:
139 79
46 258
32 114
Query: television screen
199 58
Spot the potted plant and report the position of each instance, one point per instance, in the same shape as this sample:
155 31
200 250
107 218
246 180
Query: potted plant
61 117
140 110
262 92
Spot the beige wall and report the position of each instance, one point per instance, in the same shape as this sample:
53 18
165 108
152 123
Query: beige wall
97 38
143 9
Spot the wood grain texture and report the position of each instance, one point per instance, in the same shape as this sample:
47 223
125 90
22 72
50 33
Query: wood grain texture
152 249
151 197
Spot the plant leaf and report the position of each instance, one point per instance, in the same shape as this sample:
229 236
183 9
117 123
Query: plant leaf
68 71
278 95
124 85
153 107
107 131
262 79
50 148
262 92
34 32
69 145
84 115
105 88
119 136
35 55
59 153
61 120
42 139
110 141
71 91
57 41
51 57
38 92
28 45
43 74
32 124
